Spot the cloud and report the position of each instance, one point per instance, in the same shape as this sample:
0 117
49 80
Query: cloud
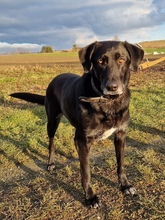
157 15
24 47
64 23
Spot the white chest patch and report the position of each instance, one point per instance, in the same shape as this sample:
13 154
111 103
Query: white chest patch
107 133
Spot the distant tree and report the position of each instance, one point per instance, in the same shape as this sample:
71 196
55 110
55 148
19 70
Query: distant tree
75 47
46 49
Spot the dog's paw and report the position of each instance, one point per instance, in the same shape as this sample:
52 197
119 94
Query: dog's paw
51 167
129 190
92 202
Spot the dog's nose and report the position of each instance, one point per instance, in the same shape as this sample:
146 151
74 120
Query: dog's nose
111 85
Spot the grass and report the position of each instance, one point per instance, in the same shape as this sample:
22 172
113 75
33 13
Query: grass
154 46
28 191
152 50
39 58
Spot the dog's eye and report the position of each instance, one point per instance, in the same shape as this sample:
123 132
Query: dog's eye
100 61
117 55
119 58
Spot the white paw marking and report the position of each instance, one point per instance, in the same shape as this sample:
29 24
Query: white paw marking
131 191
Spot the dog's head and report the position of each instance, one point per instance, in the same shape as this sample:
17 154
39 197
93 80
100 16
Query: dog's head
111 62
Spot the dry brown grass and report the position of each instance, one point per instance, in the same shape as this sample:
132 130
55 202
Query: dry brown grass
153 44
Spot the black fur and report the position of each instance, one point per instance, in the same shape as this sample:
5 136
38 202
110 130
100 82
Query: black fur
94 103
34 98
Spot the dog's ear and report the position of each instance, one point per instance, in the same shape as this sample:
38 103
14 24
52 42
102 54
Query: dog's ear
85 55
136 53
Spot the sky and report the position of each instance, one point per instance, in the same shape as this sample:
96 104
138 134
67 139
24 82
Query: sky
30 24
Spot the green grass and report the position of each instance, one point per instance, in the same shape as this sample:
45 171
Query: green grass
152 50
39 58
28 191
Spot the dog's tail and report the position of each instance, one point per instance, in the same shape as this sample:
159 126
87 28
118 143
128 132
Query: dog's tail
34 98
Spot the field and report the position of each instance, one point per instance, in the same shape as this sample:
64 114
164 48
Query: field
29 192
154 46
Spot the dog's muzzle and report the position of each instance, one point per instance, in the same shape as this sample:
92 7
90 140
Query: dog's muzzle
112 88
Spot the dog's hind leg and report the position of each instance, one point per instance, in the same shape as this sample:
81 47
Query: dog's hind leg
83 150
124 184
51 128
53 115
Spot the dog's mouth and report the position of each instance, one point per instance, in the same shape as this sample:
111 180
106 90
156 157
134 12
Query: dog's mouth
109 93
101 98
112 88
109 89
114 96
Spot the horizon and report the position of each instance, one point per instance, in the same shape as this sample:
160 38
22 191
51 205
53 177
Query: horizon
23 50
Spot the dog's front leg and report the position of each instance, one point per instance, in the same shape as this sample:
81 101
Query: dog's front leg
124 184
83 150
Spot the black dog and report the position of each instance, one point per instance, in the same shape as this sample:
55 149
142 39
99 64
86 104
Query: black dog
96 104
